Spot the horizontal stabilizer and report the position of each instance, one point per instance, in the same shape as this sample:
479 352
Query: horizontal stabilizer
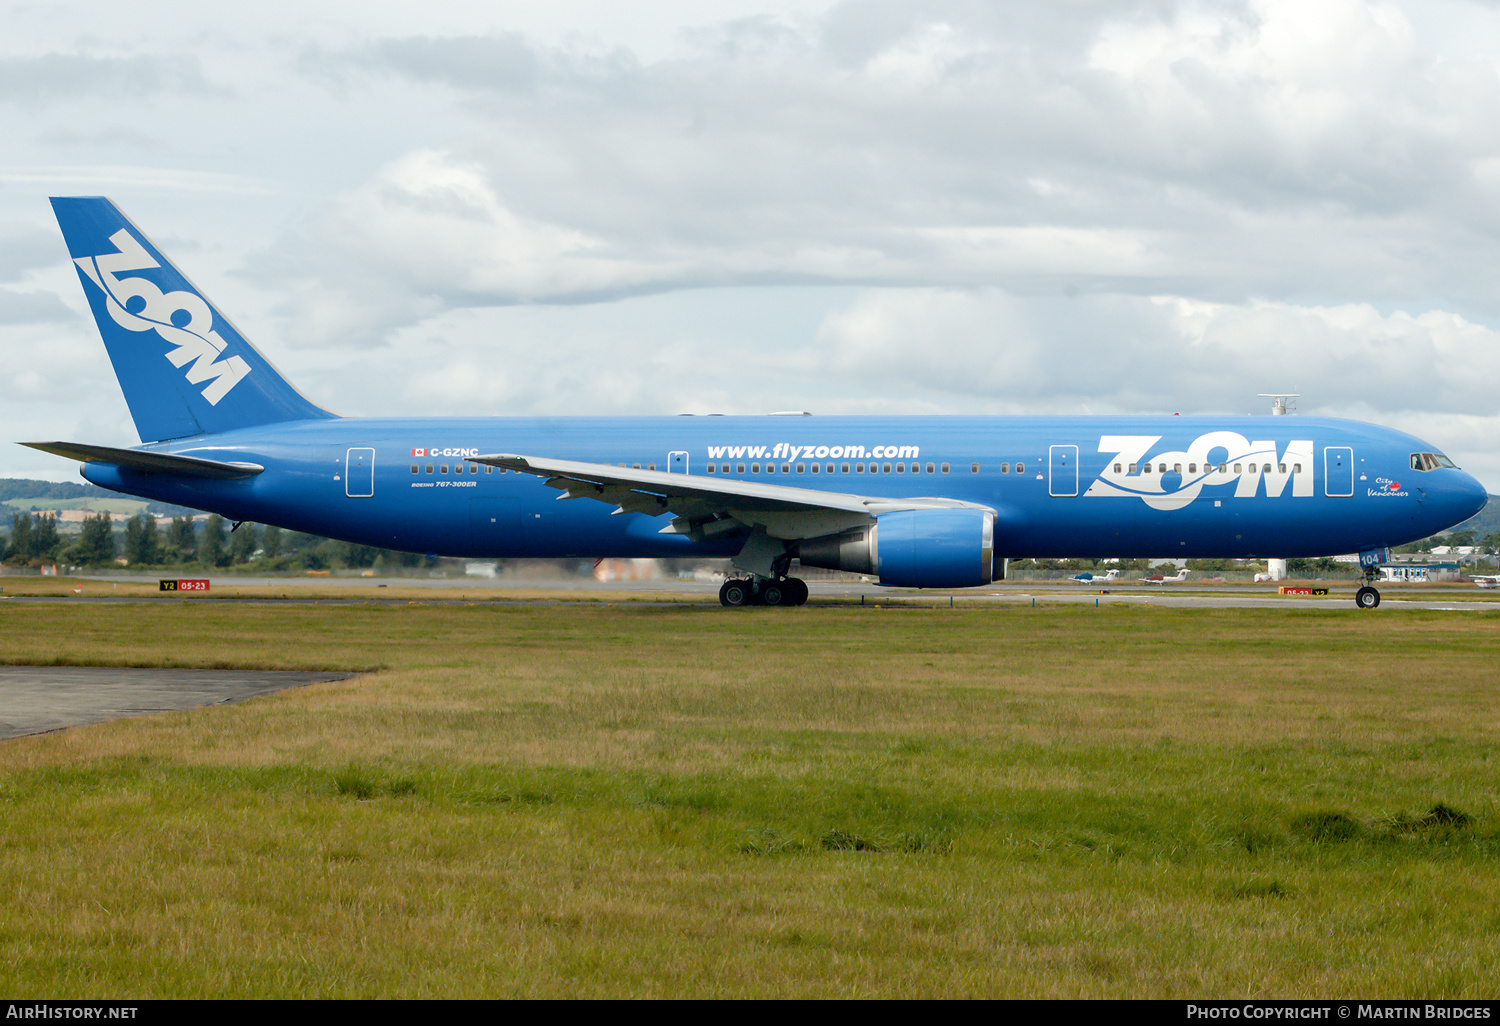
149 462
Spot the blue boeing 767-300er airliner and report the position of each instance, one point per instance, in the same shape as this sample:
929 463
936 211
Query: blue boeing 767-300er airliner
926 502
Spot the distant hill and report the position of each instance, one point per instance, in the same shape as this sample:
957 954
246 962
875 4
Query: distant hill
1486 521
21 494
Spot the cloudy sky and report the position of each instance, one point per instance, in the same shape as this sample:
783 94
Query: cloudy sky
718 206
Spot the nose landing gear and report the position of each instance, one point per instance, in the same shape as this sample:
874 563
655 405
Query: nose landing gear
1367 597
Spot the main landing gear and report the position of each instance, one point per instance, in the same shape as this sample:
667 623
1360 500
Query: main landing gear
1367 597
763 591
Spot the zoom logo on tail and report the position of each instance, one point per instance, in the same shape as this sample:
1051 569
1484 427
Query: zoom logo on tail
198 346
184 368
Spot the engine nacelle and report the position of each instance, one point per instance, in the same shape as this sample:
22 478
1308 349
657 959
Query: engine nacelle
917 548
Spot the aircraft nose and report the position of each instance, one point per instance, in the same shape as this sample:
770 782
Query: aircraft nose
1467 497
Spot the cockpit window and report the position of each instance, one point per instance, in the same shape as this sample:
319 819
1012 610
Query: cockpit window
1430 461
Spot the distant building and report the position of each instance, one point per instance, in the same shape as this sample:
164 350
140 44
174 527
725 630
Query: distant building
1411 572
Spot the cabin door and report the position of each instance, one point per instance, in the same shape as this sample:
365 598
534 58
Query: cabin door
359 473
1062 470
1338 471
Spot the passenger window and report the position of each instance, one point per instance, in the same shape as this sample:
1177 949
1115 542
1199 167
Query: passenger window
651 466
473 468
829 468
442 468
429 468
1281 468
786 468
931 469
1177 468
770 468
635 466
816 467
1296 468
859 468
739 468
489 468
1005 468
414 468
1238 468
711 468
1117 468
1146 468
1020 468
973 468
1132 467
901 468
1222 467
801 467
844 468
1192 468
1161 468
885 468
755 468
945 468
1267 468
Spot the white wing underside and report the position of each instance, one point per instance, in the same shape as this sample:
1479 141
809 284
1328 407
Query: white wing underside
705 506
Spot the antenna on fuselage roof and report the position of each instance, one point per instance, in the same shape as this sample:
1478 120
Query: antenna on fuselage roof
1279 405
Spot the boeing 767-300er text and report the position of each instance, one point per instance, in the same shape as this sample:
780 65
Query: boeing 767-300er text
924 502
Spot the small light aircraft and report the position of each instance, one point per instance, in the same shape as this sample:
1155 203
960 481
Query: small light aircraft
1092 578
1486 580
1163 579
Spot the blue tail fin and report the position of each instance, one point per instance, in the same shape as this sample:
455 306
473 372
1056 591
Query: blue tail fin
184 369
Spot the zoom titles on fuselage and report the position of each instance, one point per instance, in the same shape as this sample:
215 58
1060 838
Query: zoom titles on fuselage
1224 461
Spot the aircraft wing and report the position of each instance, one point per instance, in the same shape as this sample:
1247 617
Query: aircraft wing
704 506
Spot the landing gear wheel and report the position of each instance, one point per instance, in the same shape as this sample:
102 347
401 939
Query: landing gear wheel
735 594
796 591
775 593
1367 598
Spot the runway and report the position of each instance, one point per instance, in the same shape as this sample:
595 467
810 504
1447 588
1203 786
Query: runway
677 591
35 699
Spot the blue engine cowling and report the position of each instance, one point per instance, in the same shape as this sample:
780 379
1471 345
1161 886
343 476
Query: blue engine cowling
918 548
935 548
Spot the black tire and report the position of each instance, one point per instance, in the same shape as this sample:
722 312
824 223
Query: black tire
1367 598
775 593
735 594
796 589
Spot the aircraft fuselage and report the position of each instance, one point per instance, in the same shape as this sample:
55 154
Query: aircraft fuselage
1060 486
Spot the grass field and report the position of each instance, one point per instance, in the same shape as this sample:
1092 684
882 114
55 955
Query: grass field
618 801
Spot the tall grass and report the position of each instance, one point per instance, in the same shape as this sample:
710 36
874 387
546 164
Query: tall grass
809 802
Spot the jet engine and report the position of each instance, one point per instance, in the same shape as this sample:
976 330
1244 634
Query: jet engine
915 548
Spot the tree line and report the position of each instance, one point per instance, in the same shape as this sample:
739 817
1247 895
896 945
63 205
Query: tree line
147 541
